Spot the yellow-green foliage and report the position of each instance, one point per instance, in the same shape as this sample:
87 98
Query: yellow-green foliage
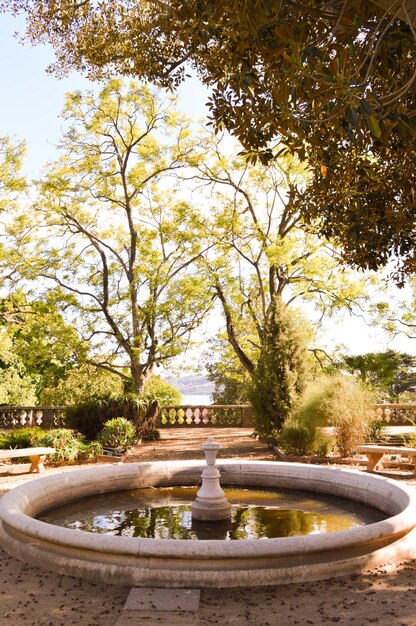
312 409
341 402
80 384
162 391
298 438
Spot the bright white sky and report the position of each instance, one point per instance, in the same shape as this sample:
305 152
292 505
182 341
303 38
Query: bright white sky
32 99
29 109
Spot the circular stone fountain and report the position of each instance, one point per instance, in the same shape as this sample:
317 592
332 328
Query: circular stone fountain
208 563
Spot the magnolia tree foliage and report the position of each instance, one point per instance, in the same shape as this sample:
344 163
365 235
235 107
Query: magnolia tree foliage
335 80
113 238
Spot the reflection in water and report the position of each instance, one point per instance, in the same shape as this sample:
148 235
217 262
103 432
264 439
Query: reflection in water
166 514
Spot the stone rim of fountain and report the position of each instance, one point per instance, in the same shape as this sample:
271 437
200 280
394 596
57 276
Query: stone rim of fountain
208 563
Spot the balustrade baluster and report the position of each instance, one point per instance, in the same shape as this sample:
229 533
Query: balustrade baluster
198 416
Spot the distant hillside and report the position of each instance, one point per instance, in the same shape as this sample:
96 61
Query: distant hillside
192 385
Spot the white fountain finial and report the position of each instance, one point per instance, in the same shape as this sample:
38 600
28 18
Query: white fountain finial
211 503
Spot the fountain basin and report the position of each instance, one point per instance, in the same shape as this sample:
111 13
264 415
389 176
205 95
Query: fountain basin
208 563
166 513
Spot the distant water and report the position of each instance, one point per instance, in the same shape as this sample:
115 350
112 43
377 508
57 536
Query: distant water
203 399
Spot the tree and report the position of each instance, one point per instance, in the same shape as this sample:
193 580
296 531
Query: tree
12 184
231 380
11 180
113 237
263 258
389 372
86 382
281 371
16 385
162 391
47 347
397 315
335 80
80 384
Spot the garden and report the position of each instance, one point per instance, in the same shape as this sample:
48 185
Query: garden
271 248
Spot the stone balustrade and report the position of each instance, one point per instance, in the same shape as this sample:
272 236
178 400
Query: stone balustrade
212 415
21 416
396 414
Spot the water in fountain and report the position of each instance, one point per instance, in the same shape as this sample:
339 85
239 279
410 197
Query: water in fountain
165 513
210 513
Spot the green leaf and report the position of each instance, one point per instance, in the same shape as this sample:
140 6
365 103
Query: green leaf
373 125
352 116
366 107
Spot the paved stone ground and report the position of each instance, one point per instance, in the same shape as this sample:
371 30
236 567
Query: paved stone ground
29 596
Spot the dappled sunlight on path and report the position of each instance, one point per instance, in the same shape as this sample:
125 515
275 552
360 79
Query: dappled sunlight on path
185 443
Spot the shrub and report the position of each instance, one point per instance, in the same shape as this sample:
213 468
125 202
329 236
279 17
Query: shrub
346 405
91 450
375 430
27 437
409 439
70 446
118 433
149 434
324 444
297 439
90 416
312 410
337 401
351 411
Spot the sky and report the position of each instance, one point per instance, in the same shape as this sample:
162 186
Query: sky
29 109
32 99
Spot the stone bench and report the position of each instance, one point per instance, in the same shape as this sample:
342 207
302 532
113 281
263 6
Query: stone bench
375 454
36 455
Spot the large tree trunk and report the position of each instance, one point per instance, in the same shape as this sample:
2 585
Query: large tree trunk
138 378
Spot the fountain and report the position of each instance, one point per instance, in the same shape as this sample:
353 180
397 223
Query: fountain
211 503
137 561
